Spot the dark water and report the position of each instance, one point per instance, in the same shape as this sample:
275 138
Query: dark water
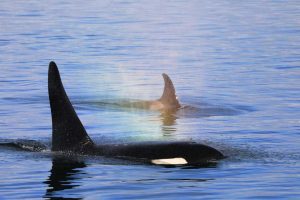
238 63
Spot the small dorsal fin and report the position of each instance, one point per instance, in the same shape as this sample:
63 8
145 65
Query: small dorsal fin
168 97
68 133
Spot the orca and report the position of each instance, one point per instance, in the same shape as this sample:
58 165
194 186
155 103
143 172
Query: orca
167 102
69 135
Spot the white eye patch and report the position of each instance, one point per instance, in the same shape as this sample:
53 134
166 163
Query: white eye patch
169 161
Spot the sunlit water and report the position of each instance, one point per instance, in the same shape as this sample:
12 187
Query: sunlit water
238 63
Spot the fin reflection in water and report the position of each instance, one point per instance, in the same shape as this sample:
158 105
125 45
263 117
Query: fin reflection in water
63 175
168 120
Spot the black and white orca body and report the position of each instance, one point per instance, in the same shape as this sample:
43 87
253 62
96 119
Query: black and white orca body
69 135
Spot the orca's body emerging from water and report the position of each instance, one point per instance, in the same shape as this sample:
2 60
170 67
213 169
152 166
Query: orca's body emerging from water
167 102
69 135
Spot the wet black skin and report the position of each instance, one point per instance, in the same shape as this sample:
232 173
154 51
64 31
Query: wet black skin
68 134
193 153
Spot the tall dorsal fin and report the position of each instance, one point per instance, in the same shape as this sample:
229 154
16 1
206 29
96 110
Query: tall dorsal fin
68 133
168 97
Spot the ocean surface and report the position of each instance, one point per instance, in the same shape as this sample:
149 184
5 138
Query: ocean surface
236 63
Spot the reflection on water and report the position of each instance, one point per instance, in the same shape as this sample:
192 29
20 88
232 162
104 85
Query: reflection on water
168 120
166 117
64 175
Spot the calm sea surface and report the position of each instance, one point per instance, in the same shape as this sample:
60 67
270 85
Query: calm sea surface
237 62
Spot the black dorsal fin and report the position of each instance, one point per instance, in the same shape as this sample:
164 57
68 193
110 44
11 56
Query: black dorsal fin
68 133
168 97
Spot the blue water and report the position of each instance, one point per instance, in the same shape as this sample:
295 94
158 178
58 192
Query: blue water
238 63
